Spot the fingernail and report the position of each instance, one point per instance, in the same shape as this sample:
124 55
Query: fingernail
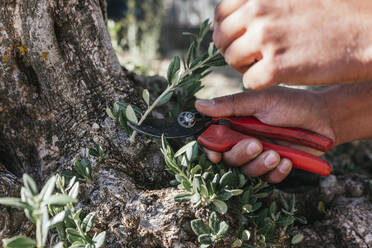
253 148
285 166
205 103
271 160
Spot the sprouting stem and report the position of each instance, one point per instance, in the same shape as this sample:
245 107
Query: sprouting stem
169 89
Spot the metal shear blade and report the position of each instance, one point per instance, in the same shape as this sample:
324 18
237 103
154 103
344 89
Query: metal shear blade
169 127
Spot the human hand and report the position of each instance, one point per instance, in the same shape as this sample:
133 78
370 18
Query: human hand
278 106
294 41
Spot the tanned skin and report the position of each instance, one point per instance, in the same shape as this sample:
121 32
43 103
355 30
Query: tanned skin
295 42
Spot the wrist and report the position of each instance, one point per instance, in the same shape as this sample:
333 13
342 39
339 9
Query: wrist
349 111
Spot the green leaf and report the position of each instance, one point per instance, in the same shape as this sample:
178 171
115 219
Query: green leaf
189 81
173 70
73 235
237 243
301 219
14 202
123 123
211 49
172 165
57 219
223 228
207 176
236 192
205 239
146 96
256 206
191 53
261 195
183 197
273 208
165 99
48 188
221 206
183 149
246 235
227 179
122 106
78 244
242 180
225 195
186 184
247 208
87 223
131 115
110 113
195 170
204 191
283 201
196 183
213 222
285 221
297 239
74 190
199 227
195 197
79 168
59 245
99 240
71 183
30 184
19 242
59 200
219 60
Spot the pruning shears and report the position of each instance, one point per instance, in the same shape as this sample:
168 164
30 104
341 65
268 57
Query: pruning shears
220 134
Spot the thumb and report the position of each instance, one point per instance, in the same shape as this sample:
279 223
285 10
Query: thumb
242 104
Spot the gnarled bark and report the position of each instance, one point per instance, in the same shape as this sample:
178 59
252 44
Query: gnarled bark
58 72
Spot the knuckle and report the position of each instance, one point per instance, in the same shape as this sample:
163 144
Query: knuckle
257 8
218 11
266 32
230 57
216 39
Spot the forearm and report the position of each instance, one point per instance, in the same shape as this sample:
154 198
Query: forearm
350 110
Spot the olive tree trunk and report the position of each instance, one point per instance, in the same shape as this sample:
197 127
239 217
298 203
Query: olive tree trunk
58 72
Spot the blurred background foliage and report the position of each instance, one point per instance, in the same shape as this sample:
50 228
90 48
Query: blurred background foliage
147 34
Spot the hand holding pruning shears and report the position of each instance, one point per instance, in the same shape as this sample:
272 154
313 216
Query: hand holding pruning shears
251 114
281 107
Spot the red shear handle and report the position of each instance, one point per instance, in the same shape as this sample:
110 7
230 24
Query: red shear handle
253 126
221 138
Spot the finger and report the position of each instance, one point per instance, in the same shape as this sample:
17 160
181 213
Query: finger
261 165
231 28
243 152
214 157
280 172
261 75
226 8
242 104
245 50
